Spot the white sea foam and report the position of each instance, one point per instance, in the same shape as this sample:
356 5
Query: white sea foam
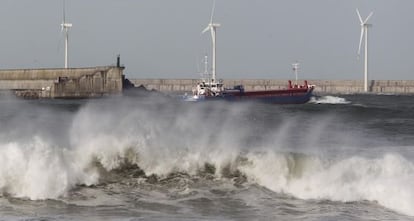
329 100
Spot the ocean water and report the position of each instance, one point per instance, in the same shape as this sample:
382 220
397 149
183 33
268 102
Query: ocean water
150 157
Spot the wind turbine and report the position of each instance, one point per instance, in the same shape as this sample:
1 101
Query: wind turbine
364 31
212 27
65 27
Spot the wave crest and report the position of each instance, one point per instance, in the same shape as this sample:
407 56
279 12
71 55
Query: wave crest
38 171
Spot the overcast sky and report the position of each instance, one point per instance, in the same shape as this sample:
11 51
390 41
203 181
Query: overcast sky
257 39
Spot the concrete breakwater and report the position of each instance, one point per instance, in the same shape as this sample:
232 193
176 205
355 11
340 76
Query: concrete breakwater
321 86
63 83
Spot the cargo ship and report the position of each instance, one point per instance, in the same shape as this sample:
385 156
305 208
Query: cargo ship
293 94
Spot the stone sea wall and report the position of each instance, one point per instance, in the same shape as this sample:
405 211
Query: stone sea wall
321 86
63 83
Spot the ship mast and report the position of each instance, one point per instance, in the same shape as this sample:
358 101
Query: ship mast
295 70
206 75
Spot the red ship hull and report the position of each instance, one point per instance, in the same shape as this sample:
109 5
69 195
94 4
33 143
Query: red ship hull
286 96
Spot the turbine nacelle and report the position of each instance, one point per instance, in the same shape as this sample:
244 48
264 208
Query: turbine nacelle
66 25
210 27
215 25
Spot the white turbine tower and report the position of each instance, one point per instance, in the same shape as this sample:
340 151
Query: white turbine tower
65 27
364 31
212 27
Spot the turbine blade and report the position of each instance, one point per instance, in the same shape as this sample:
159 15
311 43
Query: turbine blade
206 29
212 11
369 16
60 42
360 40
359 16
64 12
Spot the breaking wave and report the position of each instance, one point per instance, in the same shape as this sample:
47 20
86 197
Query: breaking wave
386 180
163 138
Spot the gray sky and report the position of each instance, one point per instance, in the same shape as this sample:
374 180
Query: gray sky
257 39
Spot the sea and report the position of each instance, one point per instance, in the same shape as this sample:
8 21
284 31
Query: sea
147 156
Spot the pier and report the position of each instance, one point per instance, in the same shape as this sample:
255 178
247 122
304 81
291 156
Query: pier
63 82
105 80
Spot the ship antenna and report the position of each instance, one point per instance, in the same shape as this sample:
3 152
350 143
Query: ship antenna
295 70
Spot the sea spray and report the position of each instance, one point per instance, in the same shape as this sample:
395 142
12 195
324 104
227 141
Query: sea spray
329 100
180 141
